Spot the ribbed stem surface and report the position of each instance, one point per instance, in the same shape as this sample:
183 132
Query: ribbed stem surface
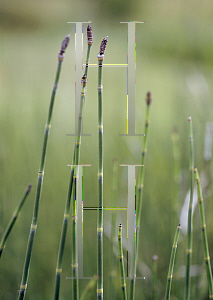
139 198
75 162
171 264
39 186
100 182
13 219
189 232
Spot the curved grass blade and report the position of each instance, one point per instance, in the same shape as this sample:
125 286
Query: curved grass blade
13 219
204 235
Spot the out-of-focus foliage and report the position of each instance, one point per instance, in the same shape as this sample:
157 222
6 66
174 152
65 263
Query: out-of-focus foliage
174 61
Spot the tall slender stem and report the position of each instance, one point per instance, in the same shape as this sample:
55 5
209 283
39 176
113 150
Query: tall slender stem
189 231
139 198
41 175
204 235
75 162
121 262
171 264
13 219
100 172
74 214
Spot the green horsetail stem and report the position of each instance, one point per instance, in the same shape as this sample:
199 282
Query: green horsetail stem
100 172
41 175
75 161
204 235
154 277
90 286
171 264
139 198
74 214
189 230
13 219
121 262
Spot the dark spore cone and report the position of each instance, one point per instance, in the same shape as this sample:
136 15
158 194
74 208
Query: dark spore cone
64 44
89 35
103 45
148 98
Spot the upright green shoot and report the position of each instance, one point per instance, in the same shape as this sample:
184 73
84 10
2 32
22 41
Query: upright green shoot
75 162
171 264
139 197
204 235
121 262
100 172
25 274
13 219
189 229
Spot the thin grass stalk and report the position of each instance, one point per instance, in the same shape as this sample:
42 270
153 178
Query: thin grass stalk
13 219
139 198
25 274
100 172
113 259
90 286
155 277
189 229
171 264
75 161
204 235
121 262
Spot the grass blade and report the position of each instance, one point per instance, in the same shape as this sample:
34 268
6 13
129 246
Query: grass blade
89 287
41 175
171 264
13 219
204 235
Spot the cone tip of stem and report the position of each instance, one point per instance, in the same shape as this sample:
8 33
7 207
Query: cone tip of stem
103 45
89 35
155 257
189 118
64 44
148 98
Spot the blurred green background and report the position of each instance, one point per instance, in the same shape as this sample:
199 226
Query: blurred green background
174 62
